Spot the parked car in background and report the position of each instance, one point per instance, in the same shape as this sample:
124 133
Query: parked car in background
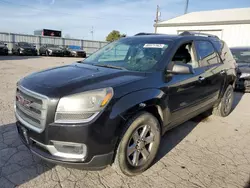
51 50
74 51
3 48
24 48
242 57
114 106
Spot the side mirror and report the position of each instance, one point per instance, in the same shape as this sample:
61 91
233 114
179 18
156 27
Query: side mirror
181 68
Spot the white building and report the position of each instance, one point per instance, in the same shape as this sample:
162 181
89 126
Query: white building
230 25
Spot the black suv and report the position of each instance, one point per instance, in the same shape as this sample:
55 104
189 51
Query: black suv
242 57
114 106
24 48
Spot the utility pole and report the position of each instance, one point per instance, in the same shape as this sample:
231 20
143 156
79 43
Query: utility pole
186 7
157 17
92 32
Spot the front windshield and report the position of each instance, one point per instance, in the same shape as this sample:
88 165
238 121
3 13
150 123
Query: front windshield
135 54
241 55
24 44
74 47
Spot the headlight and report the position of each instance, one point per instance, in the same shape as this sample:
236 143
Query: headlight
73 52
82 107
50 50
244 75
21 49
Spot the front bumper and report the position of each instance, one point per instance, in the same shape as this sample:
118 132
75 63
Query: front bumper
99 139
97 162
243 84
56 53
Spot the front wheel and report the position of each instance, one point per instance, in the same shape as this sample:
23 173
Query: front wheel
225 106
139 144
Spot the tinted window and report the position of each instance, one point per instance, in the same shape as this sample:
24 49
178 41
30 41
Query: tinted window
206 53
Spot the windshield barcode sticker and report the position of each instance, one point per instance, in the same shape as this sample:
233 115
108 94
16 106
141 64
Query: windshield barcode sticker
154 46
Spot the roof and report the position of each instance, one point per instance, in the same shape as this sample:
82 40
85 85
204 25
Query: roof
154 36
185 34
226 16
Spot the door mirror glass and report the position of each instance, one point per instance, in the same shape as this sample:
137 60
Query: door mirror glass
181 68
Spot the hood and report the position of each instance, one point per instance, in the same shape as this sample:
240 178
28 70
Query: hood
75 78
244 67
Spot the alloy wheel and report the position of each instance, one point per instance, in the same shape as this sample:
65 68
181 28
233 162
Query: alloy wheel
140 146
228 101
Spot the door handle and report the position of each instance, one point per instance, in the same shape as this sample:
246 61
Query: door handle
201 78
222 72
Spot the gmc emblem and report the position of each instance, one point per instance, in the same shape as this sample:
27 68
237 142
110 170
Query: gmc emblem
24 102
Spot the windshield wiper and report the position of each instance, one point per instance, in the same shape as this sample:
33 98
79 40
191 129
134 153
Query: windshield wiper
110 66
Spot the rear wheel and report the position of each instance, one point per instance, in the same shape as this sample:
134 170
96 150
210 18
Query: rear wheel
225 106
139 144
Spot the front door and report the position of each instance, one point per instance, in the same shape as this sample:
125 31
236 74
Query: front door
187 92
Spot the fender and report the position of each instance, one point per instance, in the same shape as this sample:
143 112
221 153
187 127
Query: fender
139 100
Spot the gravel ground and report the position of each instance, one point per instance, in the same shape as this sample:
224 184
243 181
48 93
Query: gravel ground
203 152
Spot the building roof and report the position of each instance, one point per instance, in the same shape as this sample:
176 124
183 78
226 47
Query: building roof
222 17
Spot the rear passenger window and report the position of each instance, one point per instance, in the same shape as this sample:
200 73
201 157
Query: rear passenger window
206 53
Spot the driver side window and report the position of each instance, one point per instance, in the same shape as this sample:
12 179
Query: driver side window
185 54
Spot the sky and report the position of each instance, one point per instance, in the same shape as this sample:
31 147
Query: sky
75 18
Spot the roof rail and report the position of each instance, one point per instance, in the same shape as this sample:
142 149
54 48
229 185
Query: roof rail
138 34
197 34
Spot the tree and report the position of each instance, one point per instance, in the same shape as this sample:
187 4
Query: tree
114 35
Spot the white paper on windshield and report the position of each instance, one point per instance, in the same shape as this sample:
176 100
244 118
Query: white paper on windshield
154 46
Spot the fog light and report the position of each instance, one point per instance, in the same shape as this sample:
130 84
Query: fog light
68 150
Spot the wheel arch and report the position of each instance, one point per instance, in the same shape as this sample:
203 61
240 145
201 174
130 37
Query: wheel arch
149 100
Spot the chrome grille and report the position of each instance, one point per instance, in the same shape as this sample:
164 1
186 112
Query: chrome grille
31 109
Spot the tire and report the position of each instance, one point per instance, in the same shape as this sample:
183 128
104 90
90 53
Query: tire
225 106
141 154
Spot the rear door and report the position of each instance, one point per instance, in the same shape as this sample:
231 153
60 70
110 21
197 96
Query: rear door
215 75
